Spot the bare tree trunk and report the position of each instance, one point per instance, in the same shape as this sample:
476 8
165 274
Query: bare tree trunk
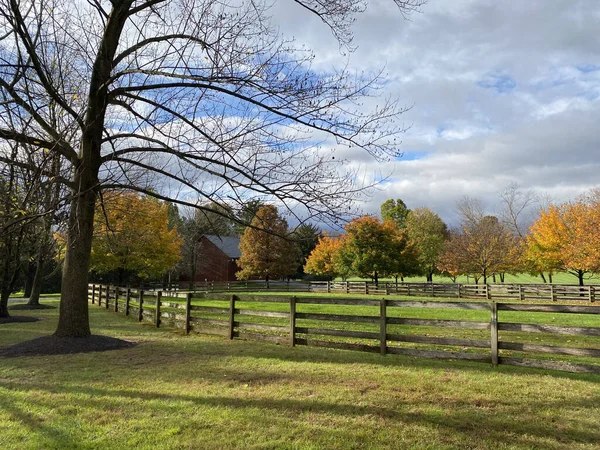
544 277
29 276
550 277
50 204
36 285
5 291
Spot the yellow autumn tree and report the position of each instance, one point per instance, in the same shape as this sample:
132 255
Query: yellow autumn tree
567 238
322 261
265 252
132 236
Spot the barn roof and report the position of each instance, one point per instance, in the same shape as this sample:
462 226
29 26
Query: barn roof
227 244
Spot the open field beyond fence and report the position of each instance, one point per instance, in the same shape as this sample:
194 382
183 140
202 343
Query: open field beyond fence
502 291
543 335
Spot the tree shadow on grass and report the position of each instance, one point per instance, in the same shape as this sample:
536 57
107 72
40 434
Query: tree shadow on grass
52 436
469 423
245 348
53 345
18 319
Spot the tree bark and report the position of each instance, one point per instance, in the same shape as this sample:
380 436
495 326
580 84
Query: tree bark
74 319
36 285
29 276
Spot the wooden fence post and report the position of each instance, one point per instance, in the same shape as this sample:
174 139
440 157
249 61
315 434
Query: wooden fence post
552 297
432 293
383 326
487 292
293 321
127 299
520 292
592 294
141 302
107 299
157 310
99 295
494 333
116 298
93 293
408 289
188 312
231 316
366 288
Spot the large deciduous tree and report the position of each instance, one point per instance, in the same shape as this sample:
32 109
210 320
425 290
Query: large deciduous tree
396 211
482 248
323 260
566 237
266 253
306 238
427 232
373 249
132 237
182 99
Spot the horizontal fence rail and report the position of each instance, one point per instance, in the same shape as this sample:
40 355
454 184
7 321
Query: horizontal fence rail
504 291
387 328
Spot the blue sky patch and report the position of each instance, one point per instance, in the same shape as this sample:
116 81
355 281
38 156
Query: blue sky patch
499 83
412 155
587 68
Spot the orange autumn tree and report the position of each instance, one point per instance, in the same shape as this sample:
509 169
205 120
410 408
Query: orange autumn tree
322 260
567 238
265 251
132 236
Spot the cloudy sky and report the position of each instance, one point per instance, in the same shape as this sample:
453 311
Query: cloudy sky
502 92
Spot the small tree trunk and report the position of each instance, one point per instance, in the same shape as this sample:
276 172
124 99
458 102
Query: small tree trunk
29 277
4 304
36 285
580 277
543 277
550 277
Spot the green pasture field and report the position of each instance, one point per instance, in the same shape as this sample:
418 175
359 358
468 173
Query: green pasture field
173 391
520 278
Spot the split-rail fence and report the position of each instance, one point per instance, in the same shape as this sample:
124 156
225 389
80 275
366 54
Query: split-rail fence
177 310
501 291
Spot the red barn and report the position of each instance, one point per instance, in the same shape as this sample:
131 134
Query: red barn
218 257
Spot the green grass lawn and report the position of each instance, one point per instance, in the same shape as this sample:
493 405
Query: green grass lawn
520 278
178 392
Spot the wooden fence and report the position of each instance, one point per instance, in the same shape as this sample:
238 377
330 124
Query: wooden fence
553 292
257 324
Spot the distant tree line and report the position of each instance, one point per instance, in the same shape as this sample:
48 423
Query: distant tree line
526 237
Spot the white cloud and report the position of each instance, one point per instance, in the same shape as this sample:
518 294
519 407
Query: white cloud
502 91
